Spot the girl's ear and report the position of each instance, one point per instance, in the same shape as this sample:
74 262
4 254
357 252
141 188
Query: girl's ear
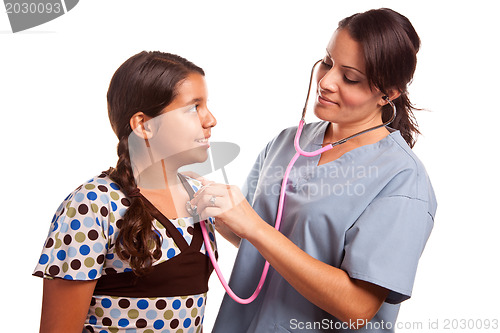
138 123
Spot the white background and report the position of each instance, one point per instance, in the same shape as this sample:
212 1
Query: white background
257 57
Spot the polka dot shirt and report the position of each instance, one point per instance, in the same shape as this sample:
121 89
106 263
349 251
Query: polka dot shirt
80 246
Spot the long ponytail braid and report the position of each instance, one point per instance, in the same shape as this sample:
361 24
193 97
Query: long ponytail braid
137 241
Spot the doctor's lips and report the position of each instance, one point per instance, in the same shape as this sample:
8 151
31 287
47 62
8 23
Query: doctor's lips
325 101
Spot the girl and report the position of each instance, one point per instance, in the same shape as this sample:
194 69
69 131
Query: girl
123 253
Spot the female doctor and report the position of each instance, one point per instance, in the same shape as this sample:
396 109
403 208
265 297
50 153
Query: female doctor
356 218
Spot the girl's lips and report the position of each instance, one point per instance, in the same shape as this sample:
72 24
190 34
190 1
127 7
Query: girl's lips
203 141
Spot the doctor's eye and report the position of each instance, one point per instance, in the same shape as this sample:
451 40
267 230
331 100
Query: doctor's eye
349 81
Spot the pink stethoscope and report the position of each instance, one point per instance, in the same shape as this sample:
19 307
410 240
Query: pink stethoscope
298 153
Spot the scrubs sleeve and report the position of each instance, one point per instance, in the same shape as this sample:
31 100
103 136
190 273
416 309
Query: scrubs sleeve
384 245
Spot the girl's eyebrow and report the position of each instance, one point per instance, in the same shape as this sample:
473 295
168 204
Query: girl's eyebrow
344 66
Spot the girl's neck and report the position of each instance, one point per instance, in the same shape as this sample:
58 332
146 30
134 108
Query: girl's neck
163 188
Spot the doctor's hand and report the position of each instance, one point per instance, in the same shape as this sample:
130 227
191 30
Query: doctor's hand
231 210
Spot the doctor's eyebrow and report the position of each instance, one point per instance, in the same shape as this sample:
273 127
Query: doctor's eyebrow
344 66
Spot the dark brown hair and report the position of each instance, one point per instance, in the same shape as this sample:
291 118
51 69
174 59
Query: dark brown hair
390 45
146 82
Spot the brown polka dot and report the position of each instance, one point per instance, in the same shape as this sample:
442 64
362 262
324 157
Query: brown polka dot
54 270
189 303
124 303
107 321
38 273
174 323
100 259
119 223
141 323
102 188
161 304
125 202
197 321
190 230
93 234
67 239
93 301
110 271
76 264
50 243
104 211
83 209
90 329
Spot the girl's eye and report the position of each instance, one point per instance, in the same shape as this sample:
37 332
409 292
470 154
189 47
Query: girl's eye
194 109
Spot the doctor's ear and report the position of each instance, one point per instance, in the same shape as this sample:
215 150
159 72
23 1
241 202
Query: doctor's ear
140 126
392 94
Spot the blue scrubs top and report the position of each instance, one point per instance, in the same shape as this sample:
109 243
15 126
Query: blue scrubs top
369 213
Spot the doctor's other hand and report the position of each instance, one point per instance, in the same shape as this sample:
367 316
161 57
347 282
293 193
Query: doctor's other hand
232 212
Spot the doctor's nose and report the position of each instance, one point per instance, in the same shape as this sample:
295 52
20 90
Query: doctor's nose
329 81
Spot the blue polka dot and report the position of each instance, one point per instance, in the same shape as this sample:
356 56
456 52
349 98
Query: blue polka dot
176 304
56 225
84 249
61 255
92 320
111 230
92 274
97 221
122 211
180 230
128 269
101 181
170 253
211 236
79 197
72 252
114 186
88 221
104 198
115 313
75 225
98 247
91 196
106 303
81 276
151 314
110 256
182 313
43 259
64 228
158 324
123 322
118 263
114 207
68 277
142 304
187 323
200 301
